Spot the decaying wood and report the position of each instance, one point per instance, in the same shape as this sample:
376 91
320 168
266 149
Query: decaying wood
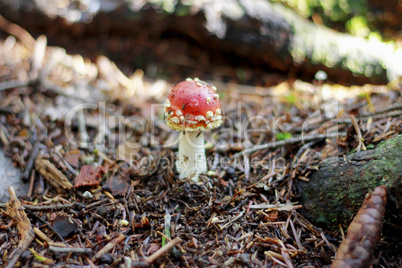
363 233
27 235
53 176
340 184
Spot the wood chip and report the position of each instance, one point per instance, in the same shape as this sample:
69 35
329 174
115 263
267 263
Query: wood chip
89 176
52 175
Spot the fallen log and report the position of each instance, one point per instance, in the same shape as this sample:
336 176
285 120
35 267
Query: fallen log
334 193
264 34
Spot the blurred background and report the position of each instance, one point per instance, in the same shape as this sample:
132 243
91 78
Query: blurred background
255 42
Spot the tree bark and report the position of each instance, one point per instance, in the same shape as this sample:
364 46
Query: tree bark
335 192
258 32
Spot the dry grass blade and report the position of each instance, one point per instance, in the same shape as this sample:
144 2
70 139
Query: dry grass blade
359 134
364 232
17 213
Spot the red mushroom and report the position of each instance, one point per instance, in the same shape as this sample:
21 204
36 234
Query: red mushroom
192 107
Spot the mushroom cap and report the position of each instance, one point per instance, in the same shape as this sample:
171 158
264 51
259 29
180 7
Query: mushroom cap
193 105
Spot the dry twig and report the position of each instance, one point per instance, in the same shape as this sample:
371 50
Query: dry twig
34 154
68 250
49 207
163 250
109 246
290 141
17 213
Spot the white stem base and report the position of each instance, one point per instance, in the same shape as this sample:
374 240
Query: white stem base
191 160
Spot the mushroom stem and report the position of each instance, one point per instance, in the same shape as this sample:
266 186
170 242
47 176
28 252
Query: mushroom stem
191 160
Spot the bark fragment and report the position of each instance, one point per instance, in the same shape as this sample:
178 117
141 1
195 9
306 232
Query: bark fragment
89 176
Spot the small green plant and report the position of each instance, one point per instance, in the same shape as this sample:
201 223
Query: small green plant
283 136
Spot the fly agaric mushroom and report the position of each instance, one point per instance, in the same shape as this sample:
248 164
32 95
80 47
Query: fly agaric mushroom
192 107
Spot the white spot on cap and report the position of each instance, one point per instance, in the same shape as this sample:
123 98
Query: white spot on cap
200 118
217 118
175 119
209 114
216 96
208 100
189 79
218 111
179 112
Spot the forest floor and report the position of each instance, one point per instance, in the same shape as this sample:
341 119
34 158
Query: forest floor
92 143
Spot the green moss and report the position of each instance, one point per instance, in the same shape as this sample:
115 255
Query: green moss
369 147
329 10
334 199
